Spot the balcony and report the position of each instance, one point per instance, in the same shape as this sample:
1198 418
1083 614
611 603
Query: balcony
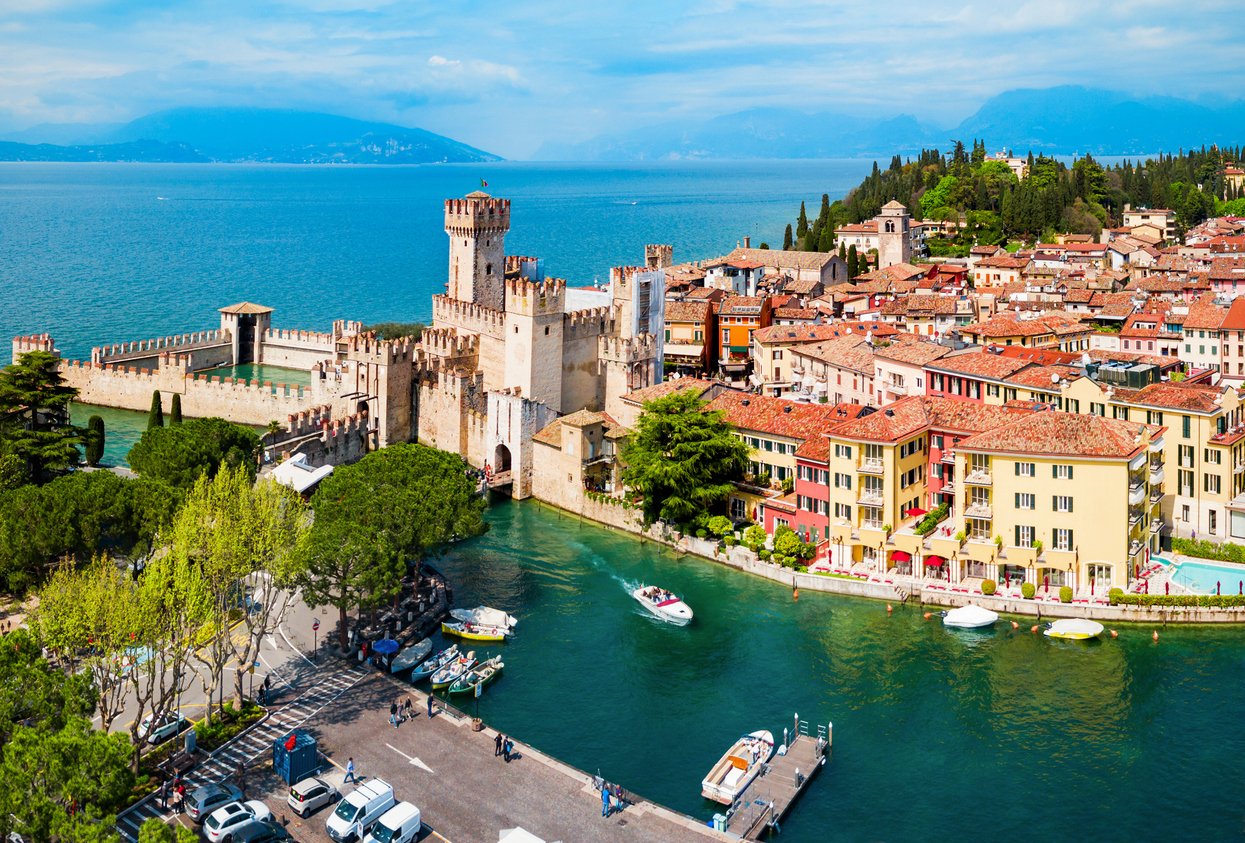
870 466
896 388
1136 493
948 456
871 523
978 509
1156 475
948 488
1135 547
978 477
1156 494
870 497
1156 525
1134 517
1239 467
1156 445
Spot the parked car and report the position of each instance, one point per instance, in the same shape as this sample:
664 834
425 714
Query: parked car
400 824
204 800
158 728
225 820
261 831
310 795
359 810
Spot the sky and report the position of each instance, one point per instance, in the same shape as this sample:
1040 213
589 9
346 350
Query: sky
507 76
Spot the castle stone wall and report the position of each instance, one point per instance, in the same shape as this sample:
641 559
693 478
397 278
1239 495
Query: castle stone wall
296 349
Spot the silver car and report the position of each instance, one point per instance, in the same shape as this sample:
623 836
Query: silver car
310 795
221 824
204 800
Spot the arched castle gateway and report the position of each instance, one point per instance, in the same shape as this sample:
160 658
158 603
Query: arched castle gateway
509 351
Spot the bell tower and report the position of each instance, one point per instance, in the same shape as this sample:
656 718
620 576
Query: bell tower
477 226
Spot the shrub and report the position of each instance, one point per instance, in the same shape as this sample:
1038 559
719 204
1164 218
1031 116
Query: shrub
1027 590
720 526
729 541
1114 595
960 535
1065 594
803 569
702 533
788 485
1226 552
989 587
754 537
931 520
764 555
1202 601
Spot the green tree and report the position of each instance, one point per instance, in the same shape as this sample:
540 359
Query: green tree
377 516
180 454
397 330
94 440
801 223
175 410
34 415
787 240
853 262
681 458
155 416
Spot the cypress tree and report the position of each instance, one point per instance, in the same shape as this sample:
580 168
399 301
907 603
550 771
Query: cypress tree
155 416
843 251
94 440
826 241
801 223
175 411
853 261
787 240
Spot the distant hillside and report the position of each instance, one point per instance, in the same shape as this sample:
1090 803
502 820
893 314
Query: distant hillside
1055 121
249 134
153 152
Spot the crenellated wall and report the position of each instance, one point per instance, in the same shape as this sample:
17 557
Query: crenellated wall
202 350
324 439
296 349
34 342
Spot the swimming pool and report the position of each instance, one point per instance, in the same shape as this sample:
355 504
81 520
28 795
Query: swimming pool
1202 577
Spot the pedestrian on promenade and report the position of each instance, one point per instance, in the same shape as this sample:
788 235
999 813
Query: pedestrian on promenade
497 745
350 776
407 712
180 797
618 798
429 705
242 775
164 795
506 749
605 800
393 714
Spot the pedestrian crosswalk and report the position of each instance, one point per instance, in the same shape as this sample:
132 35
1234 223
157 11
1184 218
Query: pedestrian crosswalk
329 684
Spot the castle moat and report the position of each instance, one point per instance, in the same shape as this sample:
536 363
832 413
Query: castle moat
1002 735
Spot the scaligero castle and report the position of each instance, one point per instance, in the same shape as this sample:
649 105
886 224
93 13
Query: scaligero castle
508 352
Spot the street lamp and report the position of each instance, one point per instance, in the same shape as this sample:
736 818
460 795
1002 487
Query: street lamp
315 629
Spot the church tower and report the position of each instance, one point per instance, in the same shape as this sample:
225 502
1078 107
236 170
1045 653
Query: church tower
894 241
477 226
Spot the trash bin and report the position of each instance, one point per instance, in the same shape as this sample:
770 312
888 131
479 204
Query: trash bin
295 756
719 822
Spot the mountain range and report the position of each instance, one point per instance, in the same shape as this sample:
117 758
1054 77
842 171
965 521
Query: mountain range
277 136
1059 121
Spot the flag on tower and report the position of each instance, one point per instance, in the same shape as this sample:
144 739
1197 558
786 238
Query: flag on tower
483 183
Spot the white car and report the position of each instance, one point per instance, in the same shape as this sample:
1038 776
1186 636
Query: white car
158 728
224 821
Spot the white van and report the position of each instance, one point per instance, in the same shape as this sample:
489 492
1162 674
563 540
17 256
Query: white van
400 824
359 810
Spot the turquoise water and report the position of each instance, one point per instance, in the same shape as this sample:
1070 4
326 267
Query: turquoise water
1204 577
101 253
938 735
261 373
122 428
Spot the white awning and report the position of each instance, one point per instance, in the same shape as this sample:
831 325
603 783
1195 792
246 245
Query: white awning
298 475
696 351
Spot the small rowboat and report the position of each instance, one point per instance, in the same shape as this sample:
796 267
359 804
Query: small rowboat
447 675
435 663
738 767
663 604
411 656
1074 629
969 617
475 631
480 675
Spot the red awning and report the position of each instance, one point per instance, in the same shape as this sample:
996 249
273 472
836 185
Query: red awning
915 512
900 556
932 561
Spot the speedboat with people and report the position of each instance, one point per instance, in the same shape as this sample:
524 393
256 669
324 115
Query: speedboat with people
411 656
738 767
663 604
447 675
969 617
1074 629
479 676
432 665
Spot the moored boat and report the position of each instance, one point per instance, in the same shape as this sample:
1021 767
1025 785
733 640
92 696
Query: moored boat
432 665
738 767
411 656
481 675
969 617
663 604
1074 629
475 631
448 674
487 616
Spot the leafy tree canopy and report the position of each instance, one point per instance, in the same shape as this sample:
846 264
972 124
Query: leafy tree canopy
180 454
34 415
681 458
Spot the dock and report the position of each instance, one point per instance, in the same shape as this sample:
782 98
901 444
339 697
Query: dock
770 796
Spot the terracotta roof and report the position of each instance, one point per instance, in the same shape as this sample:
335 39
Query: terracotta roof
910 415
774 416
915 305
981 364
796 313
916 353
246 307
1235 320
551 434
741 305
1228 269
852 353
1042 377
1061 434
1168 395
1003 262
817 448
1205 314
660 390
797 333
687 311
1042 356
780 259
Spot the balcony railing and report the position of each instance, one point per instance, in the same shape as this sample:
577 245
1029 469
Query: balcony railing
978 477
948 456
1156 494
871 523
1136 493
870 466
1239 467
1134 517
1156 525
978 509
870 497
948 488
1156 475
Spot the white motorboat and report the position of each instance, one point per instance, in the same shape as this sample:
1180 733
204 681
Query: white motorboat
738 767
1074 629
663 604
969 617
411 656
486 616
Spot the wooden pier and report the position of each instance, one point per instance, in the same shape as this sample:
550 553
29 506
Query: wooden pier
770 796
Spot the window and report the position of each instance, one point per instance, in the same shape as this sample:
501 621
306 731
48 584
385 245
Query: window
1210 483
1154 417
1024 500
843 510
1073 405
1096 409
1184 513
1211 521
938 441
992 390
1213 456
1061 472
1184 483
1025 469
1184 455
1062 539
778 354
1062 503
843 451
1024 536
667 334
842 481
1184 426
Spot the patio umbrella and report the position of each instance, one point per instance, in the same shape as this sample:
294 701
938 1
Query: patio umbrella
385 646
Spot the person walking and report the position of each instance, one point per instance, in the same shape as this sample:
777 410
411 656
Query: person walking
506 748
497 745
350 776
407 710
393 714
605 800
180 797
241 776
429 705
164 795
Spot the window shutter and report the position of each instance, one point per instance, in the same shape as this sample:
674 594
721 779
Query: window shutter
1071 543
1016 466
1054 471
1054 502
1069 503
1018 500
1017 535
1069 472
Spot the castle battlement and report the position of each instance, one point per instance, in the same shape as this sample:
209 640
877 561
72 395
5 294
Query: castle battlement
590 322
535 297
151 347
476 213
447 342
627 349
366 348
317 338
467 316
33 342
319 420
658 255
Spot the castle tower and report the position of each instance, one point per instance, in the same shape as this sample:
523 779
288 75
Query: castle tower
658 255
477 226
247 324
894 243
533 338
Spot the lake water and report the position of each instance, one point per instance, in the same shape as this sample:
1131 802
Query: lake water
938 735
99 253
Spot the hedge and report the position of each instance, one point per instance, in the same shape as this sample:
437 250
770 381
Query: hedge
1226 552
931 520
1065 594
1027 590
989 587
1203 601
